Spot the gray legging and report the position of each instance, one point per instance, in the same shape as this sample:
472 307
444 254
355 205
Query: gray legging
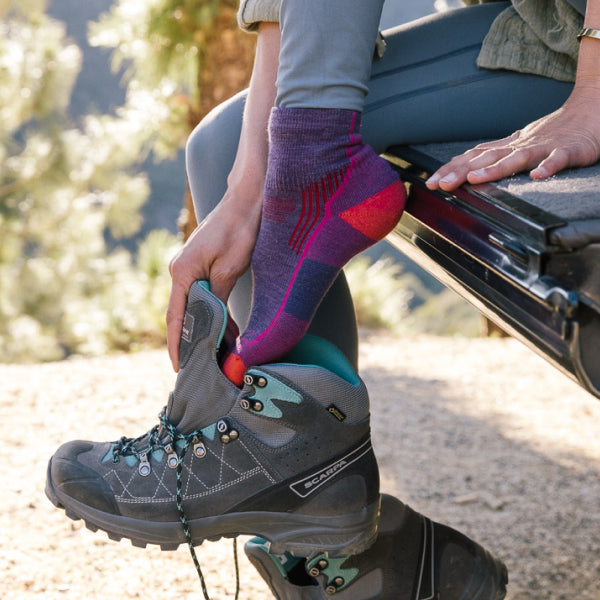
427 88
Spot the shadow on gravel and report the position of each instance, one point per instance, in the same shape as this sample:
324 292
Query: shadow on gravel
540 514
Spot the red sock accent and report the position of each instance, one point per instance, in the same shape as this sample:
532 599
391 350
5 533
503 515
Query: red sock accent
234 369
377 215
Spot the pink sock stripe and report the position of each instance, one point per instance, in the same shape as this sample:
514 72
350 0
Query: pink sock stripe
312 209
324 191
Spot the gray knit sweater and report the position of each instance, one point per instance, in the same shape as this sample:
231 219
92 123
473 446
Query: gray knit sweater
531 36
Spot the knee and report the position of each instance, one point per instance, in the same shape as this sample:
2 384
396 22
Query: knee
210 152
215 139
200 143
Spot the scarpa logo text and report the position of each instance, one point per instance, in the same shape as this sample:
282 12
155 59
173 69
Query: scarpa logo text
325 475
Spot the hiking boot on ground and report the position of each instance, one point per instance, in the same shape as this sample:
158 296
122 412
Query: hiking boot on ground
288 457
412 559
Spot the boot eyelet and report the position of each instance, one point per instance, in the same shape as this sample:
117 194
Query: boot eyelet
245 403
172 459
199 450
257 381
261 382
233 434
314 572
257 406
144 468
335 585
225 438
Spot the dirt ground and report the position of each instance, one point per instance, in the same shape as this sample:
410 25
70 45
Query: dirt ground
480 434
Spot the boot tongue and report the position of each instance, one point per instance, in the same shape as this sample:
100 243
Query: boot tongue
202 393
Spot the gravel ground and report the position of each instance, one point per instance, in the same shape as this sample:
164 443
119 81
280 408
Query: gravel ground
480 434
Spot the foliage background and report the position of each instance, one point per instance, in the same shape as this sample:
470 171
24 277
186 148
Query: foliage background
66 188
79 271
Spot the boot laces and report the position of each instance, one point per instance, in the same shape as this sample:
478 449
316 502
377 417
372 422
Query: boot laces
157 439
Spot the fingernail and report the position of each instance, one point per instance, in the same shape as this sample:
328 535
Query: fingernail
433 180
539 173
477 172
450 179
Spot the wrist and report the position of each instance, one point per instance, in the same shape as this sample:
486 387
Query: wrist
588 64
247 181
588 32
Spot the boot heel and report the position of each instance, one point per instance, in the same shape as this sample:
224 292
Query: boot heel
302 535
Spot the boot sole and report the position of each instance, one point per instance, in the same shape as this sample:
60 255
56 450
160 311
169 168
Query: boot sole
296 533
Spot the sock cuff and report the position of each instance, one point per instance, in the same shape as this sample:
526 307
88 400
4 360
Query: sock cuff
306 144
304 126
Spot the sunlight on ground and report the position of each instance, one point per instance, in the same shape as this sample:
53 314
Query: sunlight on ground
503 383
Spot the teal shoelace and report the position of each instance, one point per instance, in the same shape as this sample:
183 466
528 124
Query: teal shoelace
179 445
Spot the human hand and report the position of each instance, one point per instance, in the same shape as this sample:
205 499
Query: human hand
219 251
568 137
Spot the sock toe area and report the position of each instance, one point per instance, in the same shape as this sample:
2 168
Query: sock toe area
234 369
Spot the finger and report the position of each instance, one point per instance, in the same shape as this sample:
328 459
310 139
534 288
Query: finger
516 162
455 173
175 313
450 176
557 161
222 283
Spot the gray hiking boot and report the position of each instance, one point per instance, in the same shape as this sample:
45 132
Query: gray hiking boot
412 559
288 457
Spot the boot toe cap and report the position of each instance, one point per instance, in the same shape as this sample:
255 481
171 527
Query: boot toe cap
79 481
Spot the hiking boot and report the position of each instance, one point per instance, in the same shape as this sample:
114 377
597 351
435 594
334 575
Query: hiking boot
288 457
412 559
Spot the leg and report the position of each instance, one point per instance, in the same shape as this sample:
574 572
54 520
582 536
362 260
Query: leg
210 154
427 88
328 196
326 52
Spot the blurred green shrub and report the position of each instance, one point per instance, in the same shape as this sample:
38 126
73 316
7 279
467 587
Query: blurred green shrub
62 188
386 297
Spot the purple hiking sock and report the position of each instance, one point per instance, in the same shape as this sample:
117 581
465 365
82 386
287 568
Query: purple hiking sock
328 196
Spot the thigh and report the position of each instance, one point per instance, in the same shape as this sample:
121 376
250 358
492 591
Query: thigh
428 88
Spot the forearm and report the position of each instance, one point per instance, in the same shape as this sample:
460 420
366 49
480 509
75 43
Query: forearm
220 248
250 164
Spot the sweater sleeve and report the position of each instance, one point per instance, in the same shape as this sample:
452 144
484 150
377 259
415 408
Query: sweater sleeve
252 12
534 36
